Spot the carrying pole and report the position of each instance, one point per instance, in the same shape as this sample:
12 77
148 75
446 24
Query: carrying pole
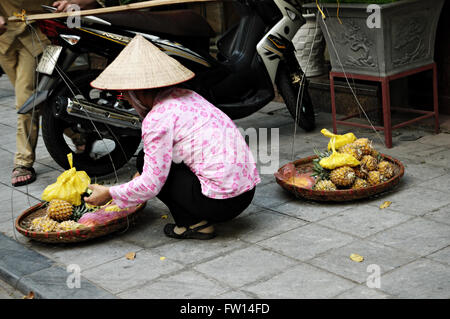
127 7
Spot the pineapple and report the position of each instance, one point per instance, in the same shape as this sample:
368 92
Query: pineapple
343 176
352 150
359 172
386 169
360 183
79 211
68 225
59 210
43 224
374 178
318 171
375 154
369 163
364 144
325 185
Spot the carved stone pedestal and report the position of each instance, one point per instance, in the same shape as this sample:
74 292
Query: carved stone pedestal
403 40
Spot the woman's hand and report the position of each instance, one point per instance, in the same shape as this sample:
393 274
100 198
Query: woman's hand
100 195
2 25
63 5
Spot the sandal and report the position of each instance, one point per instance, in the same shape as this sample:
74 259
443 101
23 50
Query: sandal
19 171
191 233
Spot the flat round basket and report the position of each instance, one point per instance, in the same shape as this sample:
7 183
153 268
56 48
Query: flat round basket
73 236
305 165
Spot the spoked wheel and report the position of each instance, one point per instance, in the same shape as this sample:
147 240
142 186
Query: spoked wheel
97 148
289 89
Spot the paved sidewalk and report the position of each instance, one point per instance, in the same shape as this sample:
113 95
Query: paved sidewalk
280 247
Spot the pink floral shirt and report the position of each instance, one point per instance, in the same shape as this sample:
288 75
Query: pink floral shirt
184 127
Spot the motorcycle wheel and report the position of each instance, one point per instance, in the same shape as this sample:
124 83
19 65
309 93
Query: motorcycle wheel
106 150
290 92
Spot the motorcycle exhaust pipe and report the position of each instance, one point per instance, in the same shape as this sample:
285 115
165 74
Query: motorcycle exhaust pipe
99 113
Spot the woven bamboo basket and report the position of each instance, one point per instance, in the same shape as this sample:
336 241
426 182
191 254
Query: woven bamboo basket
73 236
305 165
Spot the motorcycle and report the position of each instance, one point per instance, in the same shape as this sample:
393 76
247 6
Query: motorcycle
252 57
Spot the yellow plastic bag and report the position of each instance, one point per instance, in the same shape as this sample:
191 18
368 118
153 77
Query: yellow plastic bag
336 159
69 185
341 140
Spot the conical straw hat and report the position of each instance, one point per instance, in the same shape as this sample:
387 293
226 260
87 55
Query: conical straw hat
141 65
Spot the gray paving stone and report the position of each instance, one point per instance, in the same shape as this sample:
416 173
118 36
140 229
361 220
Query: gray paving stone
9 292
245 266
7 229
420 279
417 200
441 183
9 102
147 232
88 254
300 282
123 274
338 260
418 236
363 221
310 211
234 294
306 242
442 139
261 120
442 255
439 159
414 151
441 215
51 283
15 203
12 255
303 147
363 292
271 195
187 284
424 172
258 226
196 251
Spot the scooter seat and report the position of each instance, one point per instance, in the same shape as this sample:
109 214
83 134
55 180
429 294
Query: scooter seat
174 22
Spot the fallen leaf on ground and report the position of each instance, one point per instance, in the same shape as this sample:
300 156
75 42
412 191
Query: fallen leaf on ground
164 216
162 258
385 205
131 256
29 296
356 257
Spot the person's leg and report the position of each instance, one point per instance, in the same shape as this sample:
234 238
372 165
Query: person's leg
191 209
27 124
177 195
9 63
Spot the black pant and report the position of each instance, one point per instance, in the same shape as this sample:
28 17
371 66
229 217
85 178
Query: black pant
183 196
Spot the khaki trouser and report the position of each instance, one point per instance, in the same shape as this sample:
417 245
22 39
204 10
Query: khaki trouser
19 65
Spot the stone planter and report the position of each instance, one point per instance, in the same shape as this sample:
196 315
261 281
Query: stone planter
310 37
404 40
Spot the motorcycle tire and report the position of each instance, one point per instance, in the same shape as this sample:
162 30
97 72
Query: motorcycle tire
53 135
290 92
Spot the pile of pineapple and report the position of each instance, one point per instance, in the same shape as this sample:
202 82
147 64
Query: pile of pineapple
60 216
372 170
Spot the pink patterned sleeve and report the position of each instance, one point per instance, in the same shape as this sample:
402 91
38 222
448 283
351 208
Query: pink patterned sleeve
158 145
